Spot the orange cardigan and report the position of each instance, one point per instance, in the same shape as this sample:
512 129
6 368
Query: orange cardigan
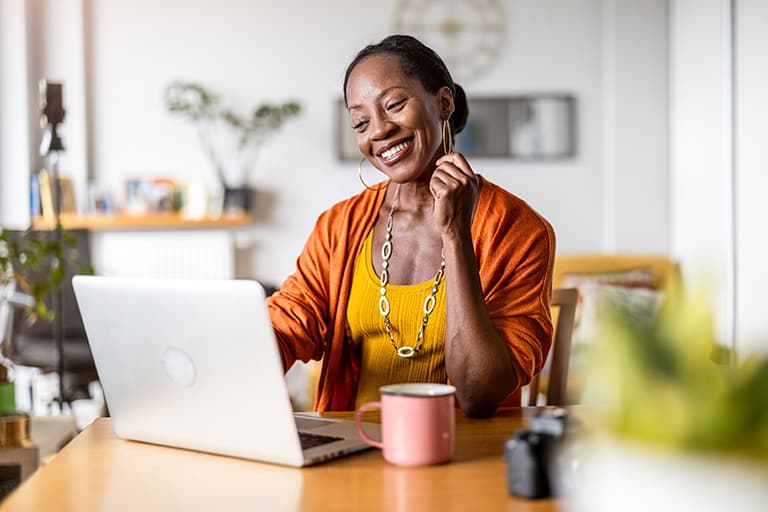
514 247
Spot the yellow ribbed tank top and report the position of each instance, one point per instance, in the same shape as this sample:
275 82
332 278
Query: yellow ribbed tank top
379 364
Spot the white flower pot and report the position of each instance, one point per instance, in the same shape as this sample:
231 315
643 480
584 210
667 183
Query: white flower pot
618 476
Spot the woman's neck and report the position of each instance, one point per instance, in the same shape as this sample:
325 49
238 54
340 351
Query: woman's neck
414 197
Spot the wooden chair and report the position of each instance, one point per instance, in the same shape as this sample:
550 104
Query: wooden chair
564 299
665 271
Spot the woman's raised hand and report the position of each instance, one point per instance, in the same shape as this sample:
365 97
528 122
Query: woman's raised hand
455 188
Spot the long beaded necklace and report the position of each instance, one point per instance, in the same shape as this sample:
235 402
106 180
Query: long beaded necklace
405 351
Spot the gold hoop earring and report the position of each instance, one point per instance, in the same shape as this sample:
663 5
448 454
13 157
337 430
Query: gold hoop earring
447 138
360 176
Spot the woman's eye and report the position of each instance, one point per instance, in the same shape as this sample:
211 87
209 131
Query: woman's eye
359 125
396 104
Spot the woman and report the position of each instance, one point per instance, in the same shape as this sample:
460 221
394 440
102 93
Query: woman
434 275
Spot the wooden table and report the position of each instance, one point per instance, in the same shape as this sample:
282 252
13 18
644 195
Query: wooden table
98 471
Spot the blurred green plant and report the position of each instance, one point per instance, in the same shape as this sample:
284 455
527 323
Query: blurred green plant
202 106
659 383
33 263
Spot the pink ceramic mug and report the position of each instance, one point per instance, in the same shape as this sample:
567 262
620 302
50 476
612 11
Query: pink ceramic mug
418 423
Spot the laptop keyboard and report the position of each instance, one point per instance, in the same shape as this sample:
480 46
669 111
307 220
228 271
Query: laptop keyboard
313 440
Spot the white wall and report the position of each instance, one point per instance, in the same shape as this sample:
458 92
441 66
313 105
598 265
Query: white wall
250 51
14 121
610 54
719 117
701 217
751 179
635 137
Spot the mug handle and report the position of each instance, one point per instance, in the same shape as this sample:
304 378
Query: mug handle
359 420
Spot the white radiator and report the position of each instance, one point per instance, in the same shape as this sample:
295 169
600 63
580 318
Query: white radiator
187 254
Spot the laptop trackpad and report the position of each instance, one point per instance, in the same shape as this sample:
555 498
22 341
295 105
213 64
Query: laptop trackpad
304 423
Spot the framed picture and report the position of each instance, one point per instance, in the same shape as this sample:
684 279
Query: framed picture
346 142
529 127
535 127
149 195
46 195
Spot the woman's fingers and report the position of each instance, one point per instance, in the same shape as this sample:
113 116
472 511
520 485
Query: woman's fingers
453 173
456 162
454 186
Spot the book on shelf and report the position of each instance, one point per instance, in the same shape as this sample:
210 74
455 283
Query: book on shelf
66 190
34 196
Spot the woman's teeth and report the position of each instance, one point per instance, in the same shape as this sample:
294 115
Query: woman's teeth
394 150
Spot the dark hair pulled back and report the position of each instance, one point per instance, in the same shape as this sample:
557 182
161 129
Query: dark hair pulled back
421 62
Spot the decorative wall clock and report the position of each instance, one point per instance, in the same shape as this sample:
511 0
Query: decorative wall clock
468 34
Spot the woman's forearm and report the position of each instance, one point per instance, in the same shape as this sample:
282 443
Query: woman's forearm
478 360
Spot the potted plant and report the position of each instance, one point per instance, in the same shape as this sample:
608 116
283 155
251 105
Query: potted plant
230 140
32 263
33 267
678 426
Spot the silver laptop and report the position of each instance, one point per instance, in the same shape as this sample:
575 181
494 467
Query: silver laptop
194 364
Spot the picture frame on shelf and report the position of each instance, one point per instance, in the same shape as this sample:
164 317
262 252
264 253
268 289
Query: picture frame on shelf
150 195
46 197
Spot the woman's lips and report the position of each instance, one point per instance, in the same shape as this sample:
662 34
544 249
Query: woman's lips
395 152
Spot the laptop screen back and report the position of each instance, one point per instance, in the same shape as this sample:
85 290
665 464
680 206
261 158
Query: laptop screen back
190 363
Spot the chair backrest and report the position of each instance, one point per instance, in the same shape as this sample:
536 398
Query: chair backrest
665 271
564 299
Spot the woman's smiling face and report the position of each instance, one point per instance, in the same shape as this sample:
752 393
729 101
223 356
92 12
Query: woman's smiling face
397 122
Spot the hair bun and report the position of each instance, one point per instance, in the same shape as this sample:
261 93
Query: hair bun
460 109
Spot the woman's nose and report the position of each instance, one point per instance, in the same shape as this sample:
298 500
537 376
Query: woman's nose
380 127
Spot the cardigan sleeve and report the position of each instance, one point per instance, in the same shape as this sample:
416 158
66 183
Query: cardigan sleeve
515 248
300 309
308 313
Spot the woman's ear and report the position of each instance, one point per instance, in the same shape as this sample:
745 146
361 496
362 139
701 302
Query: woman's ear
445 99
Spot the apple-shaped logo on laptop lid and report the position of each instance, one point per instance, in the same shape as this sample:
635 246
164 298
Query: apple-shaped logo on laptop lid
179 367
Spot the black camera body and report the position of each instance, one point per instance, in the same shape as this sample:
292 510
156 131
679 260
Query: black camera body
52 114
530 455
51 103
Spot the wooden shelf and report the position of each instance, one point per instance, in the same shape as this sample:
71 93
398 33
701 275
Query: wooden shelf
150 221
